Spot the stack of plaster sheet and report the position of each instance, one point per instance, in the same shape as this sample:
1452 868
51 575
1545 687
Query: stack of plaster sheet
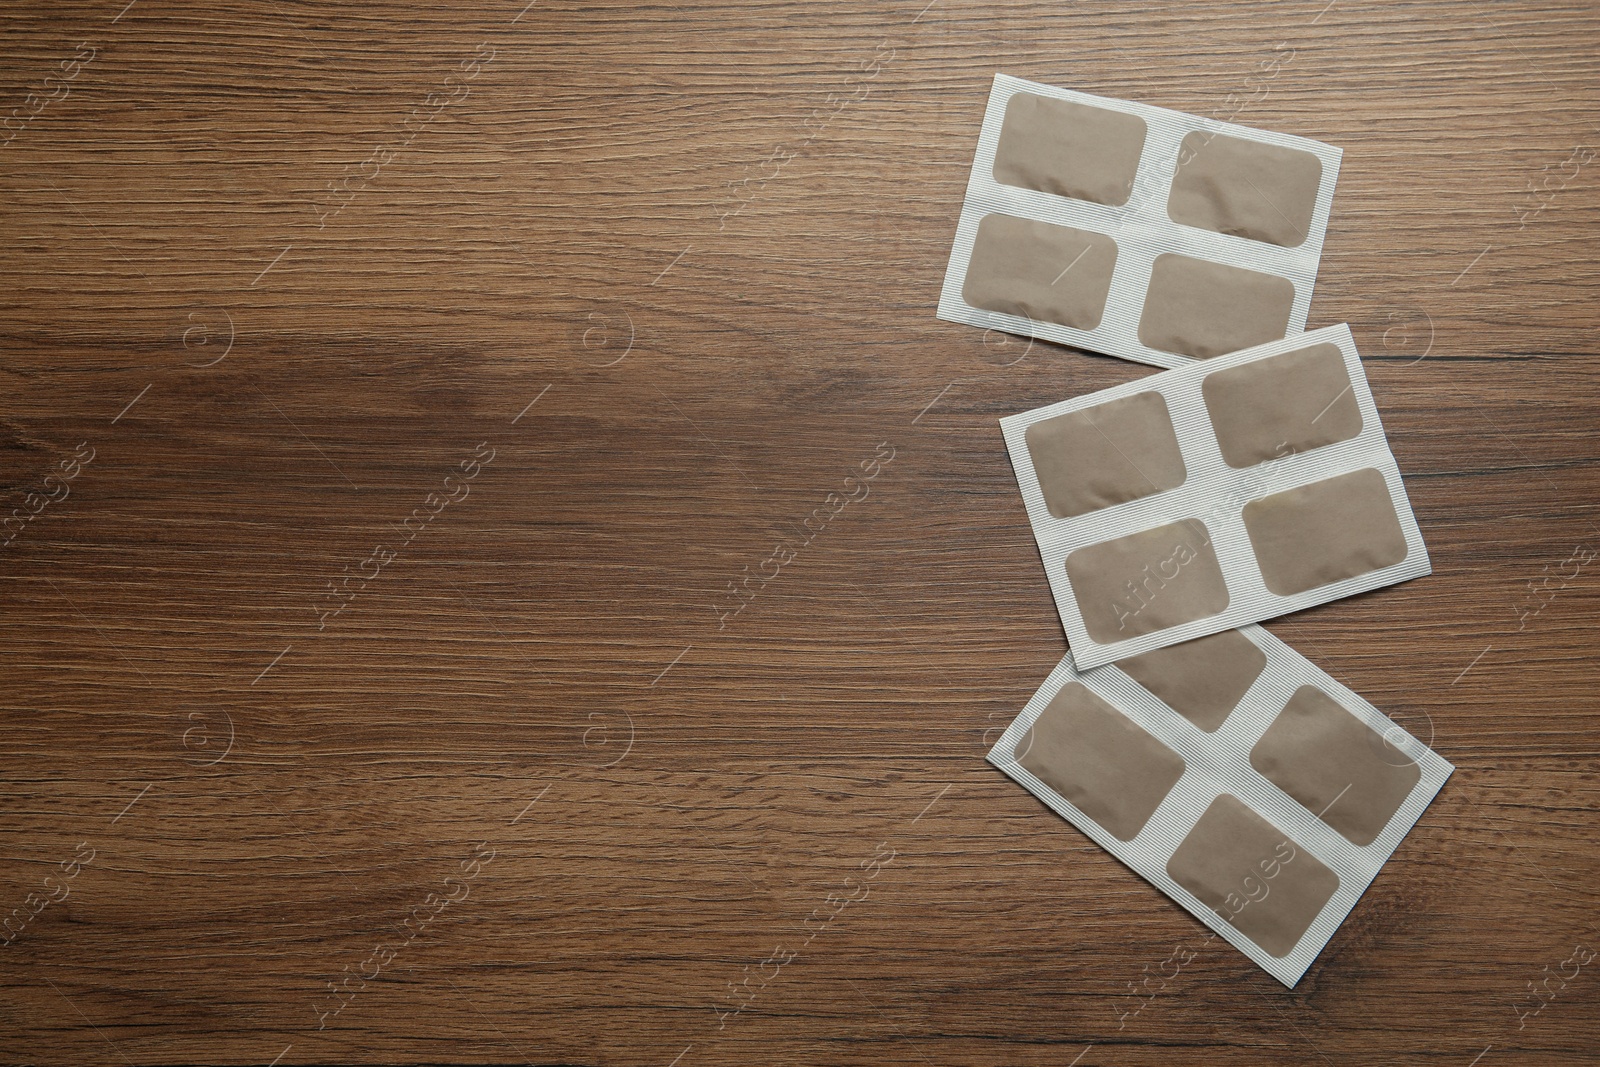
1251 479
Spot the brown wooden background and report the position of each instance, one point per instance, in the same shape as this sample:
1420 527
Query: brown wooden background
541 679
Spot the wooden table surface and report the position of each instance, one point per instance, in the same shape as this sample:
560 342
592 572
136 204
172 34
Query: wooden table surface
395 395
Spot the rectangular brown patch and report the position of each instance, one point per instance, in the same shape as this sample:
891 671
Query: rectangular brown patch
1253 875
1335 765
1040 271
1109 454
1202 309
1147 581
1069 149
1325 532
1202 680
1290 403
1250 189
1098 759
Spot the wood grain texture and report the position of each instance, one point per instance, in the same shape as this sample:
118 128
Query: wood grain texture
529 796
